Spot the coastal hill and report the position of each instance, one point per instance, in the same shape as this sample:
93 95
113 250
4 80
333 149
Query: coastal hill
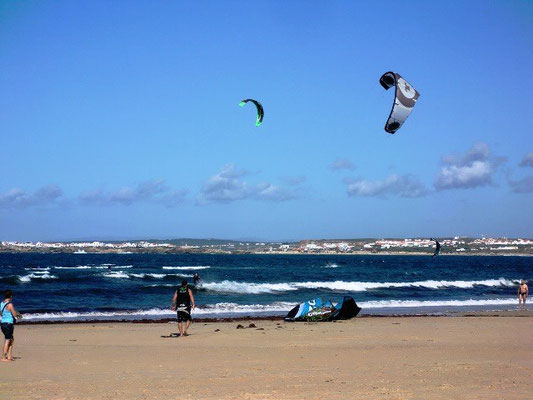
422 246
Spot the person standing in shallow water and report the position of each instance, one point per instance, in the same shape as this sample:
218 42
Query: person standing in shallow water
181 302
522 293
9 314
196 279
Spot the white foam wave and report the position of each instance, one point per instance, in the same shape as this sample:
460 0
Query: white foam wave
36 275
331 266
113 266
77 267
247 287
158 276
430 284
37 269
124 275
188 267
435 303
257 288
117 274
161 285
244 308
212 309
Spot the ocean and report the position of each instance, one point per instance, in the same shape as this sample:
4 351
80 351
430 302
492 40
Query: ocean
66 287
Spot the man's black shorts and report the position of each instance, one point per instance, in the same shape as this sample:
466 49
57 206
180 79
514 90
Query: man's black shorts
7 330
184 316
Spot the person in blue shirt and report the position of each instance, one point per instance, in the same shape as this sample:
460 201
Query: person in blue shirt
9 314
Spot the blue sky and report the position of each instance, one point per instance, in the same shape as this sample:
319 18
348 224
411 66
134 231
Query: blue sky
121 119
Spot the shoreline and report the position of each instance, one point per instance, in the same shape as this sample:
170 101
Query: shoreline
450 314
357 253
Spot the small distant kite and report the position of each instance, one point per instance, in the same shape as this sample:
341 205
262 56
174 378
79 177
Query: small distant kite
404 100
260 111
437 247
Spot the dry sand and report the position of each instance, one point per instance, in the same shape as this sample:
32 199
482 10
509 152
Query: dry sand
364 358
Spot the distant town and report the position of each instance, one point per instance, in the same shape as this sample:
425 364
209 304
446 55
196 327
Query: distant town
449 246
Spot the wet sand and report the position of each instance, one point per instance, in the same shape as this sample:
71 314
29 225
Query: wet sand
476 357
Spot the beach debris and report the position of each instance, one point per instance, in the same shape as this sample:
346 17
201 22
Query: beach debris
217 330
260 111
72 340
171 335
404 100
240 326
260 329
252 326
324 310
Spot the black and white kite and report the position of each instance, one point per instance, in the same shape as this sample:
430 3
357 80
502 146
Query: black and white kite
404 100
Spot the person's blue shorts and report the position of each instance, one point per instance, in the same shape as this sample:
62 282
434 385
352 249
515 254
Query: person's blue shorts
7 330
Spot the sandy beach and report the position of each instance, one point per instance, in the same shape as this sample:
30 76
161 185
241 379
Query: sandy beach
475 357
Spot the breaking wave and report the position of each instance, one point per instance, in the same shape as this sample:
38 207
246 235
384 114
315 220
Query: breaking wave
188 267
35 275
258 288
436 303
247 287
37 269
429 284
210 309
101 266
124 275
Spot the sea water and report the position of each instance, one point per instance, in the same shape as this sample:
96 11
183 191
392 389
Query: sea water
65 287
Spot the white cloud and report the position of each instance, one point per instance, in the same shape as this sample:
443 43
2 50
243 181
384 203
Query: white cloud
293 180
18 198
267 191
398 185
527 161
227 186
155 191
341 163
524 185
473 169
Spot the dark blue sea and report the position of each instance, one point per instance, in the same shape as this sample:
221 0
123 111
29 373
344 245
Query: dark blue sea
66 287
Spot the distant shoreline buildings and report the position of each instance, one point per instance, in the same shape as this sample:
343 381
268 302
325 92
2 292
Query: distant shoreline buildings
456 245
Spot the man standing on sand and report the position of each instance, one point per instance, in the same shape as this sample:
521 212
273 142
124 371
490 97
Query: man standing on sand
522 293
181 302
8 313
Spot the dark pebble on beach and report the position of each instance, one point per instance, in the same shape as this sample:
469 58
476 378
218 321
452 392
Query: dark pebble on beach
260 329
217 330
252 326
240 326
